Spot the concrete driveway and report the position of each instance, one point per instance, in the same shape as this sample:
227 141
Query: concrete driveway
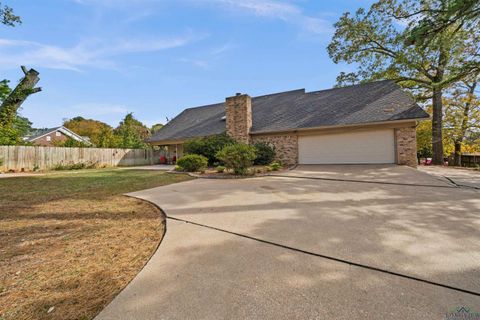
466 177
297 246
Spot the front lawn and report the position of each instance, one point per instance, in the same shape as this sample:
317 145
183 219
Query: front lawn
69 242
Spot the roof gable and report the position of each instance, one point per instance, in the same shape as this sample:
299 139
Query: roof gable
65 131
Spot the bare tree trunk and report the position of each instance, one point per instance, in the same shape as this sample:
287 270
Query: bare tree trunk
464 125
26 87
457 160
437 137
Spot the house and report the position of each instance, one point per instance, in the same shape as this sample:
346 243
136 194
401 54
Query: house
371 123
53 136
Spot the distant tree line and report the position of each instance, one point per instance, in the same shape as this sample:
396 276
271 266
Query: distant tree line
130 132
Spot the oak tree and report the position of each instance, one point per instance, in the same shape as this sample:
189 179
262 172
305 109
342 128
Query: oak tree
375 41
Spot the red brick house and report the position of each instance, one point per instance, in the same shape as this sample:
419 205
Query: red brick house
53 136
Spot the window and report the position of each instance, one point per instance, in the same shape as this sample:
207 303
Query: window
49 138
58 134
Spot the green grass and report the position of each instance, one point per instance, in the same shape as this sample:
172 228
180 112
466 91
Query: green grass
97 184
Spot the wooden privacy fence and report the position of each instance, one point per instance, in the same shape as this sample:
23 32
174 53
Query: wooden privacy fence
27 158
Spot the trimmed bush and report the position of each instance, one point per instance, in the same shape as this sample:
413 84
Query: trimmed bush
208 146
220 169
275 166
75 166
265 153
192 162
238 157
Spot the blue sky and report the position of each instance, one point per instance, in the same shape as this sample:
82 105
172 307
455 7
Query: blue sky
103 58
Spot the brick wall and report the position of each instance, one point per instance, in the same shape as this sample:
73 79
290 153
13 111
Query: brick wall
238 110
406 146
286 147
42 141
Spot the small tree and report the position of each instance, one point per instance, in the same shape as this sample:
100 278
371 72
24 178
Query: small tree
132 133
424 139
208 146
99 133
70 143
238 157
156 127
462 115
265 153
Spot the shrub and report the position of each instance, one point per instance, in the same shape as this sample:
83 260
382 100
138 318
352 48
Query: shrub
265 153
208 146
178 168
220 169
275 166
70 143
76 166
238 157
70 166
193 162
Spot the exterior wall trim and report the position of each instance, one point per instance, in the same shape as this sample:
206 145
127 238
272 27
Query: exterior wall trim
367 126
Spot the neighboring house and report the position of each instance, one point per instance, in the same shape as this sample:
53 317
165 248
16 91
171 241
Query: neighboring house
53 136
361 124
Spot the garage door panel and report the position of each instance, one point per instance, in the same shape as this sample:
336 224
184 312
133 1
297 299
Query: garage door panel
362 147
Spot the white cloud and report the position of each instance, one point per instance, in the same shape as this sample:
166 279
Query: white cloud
222 49
204 64
285 11
110 3
97 53
267 8
276 9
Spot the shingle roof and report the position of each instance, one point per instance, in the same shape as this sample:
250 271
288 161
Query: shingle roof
292 110
41 132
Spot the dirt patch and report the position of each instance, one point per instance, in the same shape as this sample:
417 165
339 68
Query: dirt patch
70 242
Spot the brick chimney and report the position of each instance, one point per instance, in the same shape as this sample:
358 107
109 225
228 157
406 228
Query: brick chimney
238 111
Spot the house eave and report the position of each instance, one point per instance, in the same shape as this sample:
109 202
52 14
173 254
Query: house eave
296 130
167 142
367 124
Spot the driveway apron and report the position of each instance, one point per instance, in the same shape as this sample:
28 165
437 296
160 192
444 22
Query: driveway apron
289 247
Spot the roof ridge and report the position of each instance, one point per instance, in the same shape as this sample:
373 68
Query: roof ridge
204 106
256 97
277 93
352 85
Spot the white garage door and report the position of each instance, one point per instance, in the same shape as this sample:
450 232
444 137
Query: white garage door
347 148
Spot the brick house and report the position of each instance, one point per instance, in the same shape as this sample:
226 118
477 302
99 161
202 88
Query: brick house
370 123
53 136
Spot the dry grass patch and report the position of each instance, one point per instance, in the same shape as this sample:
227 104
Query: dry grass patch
69 242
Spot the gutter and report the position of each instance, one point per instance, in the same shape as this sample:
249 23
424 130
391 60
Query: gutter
366 124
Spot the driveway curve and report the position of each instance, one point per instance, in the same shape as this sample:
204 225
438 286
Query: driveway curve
262 248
